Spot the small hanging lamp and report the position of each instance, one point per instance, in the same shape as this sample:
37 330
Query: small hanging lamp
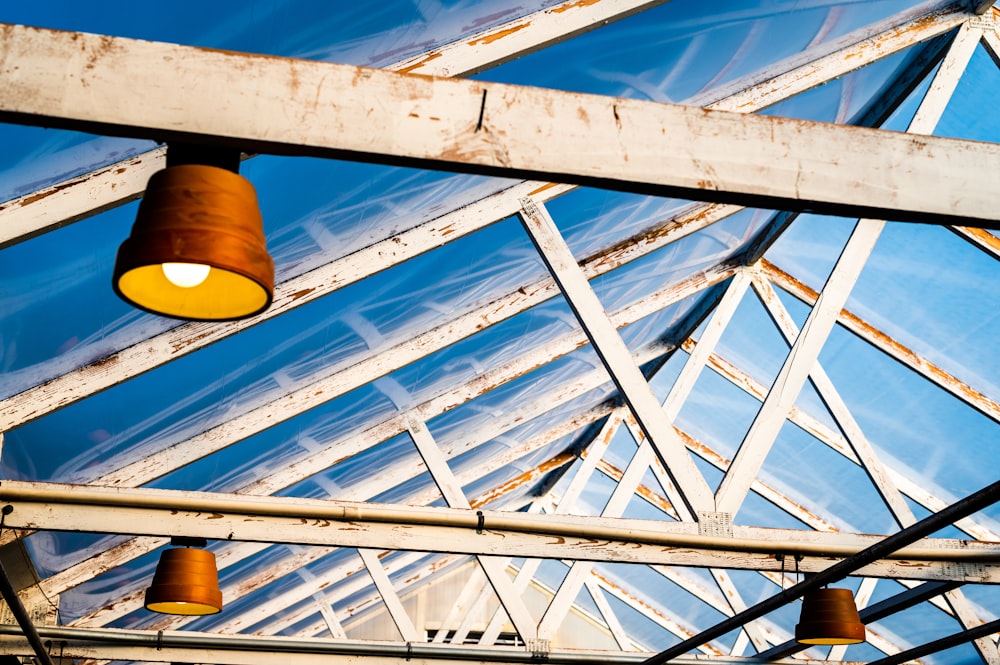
186 581
829 616
197 249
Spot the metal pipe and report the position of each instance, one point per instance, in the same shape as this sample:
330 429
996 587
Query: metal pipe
411 650
956 511
21 614
948 642
633 531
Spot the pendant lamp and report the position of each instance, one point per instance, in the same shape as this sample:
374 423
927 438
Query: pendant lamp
829 616
186 582
197 249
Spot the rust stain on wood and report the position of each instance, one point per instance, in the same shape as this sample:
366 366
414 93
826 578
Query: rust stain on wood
489 39
574 5
418 65
883 341
548 185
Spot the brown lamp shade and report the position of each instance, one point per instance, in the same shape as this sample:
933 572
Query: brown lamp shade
202 216
186 581
829 616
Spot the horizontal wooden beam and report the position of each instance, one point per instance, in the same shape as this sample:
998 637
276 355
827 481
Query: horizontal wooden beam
352 524
112 85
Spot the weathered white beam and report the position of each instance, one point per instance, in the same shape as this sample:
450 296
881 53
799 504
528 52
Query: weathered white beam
829 61
981 238
521 36
883 481
77 198
610 618
89 193
332 621
888 345
967 618
946 79
389 596
312 108
795 370
313 522
991 38
579 571
615 355
177 342
437 466
720 318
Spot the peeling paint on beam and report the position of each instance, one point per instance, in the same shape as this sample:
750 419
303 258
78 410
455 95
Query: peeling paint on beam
614 143
981 238
884 342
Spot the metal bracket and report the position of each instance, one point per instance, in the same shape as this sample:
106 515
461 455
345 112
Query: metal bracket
970 571
529 206
983 22
539 649
717 525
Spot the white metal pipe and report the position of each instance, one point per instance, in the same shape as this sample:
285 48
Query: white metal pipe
645 531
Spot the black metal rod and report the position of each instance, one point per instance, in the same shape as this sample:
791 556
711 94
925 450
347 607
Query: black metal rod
23 620
939 520
870 614
940 645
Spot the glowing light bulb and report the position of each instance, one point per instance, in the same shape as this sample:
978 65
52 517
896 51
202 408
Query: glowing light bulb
186 275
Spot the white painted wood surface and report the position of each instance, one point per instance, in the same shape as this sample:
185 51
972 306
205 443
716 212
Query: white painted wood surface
287 106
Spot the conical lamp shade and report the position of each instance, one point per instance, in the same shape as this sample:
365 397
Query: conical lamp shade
197 215
829 616
186 581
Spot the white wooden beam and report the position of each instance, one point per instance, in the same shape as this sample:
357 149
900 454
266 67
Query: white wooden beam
829 61
295 292
877 472
946 79
88 194
389 596
980 238
495 569
610 618
312 108
615 355
80 197
521 36
795 370
991 38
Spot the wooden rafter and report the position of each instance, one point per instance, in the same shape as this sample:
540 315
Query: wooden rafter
290 106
